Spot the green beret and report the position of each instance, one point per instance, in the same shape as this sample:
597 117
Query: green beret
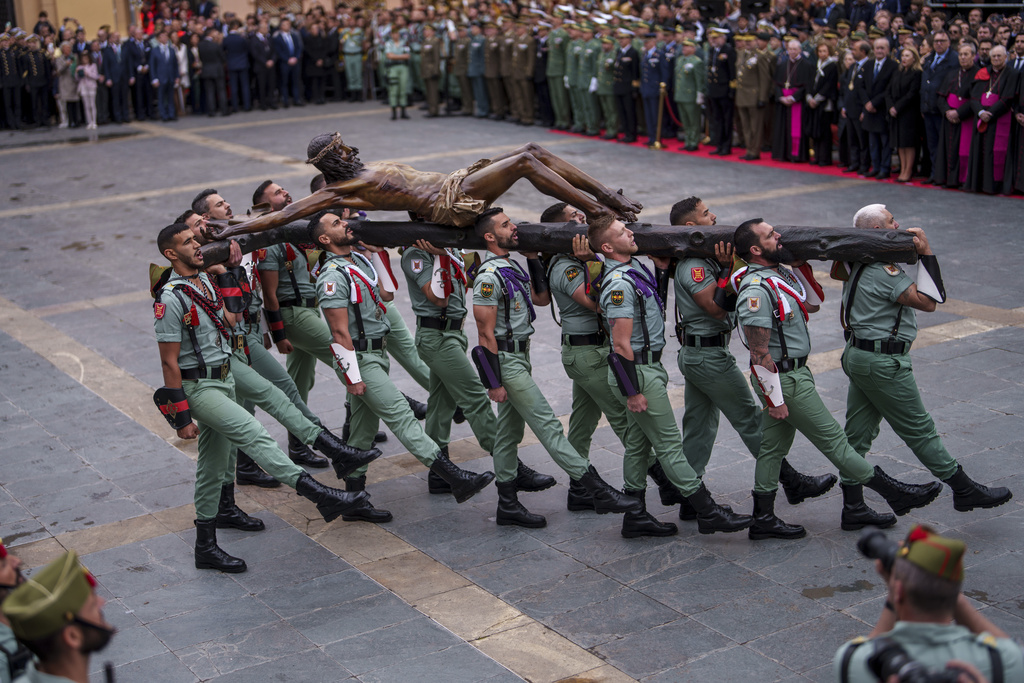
50 599
938 555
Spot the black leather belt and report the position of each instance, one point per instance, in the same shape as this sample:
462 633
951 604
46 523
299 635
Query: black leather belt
217 372
891 348
522 346
720 339
305 303
583 339
647 357
791 364
368 344
440 323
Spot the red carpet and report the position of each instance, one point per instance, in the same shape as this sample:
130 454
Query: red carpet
766 161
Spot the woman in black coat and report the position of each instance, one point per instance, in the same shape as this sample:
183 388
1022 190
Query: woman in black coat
903 99
316 48
844 129
821 105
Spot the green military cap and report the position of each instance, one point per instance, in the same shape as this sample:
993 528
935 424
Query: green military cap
905 32
764 35
679 28
875 31
789 36
607 39
719 31
4 36
543 24
843 23
690 43
744 36
938 555
50 599
859 34
830 35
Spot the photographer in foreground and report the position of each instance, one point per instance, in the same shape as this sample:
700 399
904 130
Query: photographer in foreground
927 631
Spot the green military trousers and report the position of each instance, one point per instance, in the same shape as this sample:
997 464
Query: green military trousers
398 85
453 383
809 416
689 116
592 112
526 405
883 386
656 429
225 426
586 366
383 401
560 101
354 71
611 115
270 368
715 385
415 74
579 109
402 347
311 340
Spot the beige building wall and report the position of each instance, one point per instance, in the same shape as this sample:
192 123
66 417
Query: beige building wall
91 14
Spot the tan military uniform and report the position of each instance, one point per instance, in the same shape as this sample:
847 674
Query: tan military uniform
524 55
430 70
753 85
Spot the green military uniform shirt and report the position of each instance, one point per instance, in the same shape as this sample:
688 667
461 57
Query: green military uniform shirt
587 67
460 56
513 307
289 261
10 643
874 312
606 73
573 56
620 299
430 64
565 275
418 266
334 285
174 318
558 42
693 275
933 645
757 307
689 78
352 41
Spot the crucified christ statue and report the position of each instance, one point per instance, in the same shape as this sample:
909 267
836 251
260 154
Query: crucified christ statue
454 199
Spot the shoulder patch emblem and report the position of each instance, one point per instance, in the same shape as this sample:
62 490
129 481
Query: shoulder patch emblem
330 288
697 274
159 310
572 273
417 265
756 280
754 303
892 270
486 290
618 297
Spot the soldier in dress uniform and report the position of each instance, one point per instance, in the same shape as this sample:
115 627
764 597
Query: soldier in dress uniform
753 85
654 70
721 85
492 71
352 45
524 52
606 88
460 69
558 46
688 91
432 48
626 84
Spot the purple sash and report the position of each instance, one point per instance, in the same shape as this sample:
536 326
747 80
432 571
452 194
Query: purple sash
1002 138
645 283
955 101
517 281
795 118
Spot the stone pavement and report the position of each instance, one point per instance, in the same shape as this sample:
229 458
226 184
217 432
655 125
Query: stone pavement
442 593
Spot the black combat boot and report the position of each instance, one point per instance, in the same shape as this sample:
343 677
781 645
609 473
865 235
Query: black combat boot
643 523
248 473
528 479
606 499
331 503
419 409
766 524
394 113
209 555
712 517
301 454
513 513
799 487
366 513
344 458
230 516
404 115
459 417
464 484
579 498
346 428
670 495
436 484
857 515
902 498
969 494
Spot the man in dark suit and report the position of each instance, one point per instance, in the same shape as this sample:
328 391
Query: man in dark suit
832 12
163 73
653 72
138 66
940 64
263 61
205 9
236 52
875 119
288 46
721 74
540 78
627 81
117 77
852 107
212 61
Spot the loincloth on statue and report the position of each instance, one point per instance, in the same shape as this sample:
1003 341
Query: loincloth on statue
455 207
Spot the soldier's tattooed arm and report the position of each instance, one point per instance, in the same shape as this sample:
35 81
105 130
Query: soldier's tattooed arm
757 340
914 299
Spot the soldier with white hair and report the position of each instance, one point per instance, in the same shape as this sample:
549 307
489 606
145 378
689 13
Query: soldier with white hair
880 301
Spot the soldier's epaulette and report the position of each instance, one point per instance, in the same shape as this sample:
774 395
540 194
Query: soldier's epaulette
988 640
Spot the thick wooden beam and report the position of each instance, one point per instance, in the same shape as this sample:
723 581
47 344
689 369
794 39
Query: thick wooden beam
806 243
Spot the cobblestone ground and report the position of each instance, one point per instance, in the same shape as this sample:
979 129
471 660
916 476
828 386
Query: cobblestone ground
442 593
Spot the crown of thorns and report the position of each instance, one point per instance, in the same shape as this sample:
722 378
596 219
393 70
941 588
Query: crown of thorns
335 143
